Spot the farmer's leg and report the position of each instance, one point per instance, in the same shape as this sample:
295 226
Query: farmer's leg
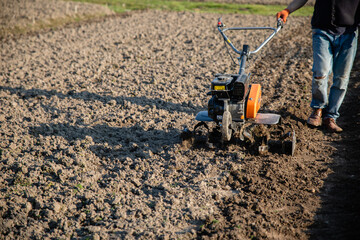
344 54
323 59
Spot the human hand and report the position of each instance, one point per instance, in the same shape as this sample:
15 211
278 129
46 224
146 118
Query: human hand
283 14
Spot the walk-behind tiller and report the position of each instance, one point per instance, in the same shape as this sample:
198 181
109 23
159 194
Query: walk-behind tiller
234 106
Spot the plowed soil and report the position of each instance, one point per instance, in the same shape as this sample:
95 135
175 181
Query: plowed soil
90 120
23 12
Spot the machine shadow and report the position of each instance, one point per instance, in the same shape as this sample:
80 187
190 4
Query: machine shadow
113 143
88 96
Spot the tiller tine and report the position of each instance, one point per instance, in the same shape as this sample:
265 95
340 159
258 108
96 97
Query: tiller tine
285 145
199 136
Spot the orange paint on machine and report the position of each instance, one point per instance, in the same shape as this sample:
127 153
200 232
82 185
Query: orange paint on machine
254 101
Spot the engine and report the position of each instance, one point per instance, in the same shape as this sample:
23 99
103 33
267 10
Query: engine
233 87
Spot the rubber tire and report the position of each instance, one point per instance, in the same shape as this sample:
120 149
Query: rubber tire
226 131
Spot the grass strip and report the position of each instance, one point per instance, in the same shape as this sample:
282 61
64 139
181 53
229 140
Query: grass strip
45 24
121 6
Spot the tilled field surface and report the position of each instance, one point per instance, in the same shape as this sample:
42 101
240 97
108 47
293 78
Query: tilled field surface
90 121
17 14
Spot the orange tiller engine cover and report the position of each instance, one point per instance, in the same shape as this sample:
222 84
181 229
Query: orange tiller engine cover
253 101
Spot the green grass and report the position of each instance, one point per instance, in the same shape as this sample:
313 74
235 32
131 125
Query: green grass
121 6
45 24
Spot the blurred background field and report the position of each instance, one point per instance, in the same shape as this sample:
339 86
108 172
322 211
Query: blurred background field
260 7
23 16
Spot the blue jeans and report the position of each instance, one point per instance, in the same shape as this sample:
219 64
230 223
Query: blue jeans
331 54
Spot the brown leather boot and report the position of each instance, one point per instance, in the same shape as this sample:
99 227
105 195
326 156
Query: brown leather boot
331 126
315 117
